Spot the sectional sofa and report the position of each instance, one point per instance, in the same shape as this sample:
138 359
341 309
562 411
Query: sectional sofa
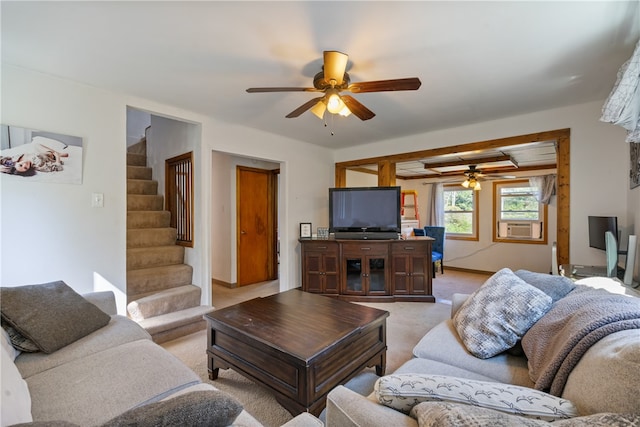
524 349
82 364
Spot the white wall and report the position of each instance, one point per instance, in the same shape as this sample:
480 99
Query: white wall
50 231
599 179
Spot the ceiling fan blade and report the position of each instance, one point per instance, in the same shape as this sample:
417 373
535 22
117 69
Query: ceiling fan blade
335 64
411 83
362 112
282 89
304 107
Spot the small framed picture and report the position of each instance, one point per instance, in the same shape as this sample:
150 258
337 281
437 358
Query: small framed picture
305 230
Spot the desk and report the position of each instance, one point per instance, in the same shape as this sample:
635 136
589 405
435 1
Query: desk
579 271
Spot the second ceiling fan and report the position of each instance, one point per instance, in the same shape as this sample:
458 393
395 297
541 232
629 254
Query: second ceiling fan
334 79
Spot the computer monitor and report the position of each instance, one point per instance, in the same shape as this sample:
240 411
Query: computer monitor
598 226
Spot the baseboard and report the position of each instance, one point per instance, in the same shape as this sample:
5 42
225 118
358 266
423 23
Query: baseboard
469 270
225 284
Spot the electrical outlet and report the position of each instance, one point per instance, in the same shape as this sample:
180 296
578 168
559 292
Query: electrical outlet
97 200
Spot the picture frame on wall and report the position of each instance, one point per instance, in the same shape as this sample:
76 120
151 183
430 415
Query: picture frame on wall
634 172
305 230
40 156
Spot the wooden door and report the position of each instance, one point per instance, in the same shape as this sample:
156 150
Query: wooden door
256 219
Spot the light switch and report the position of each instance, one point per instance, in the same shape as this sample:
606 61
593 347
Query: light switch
97 200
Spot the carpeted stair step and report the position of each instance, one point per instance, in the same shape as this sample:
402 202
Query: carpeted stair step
159 303
139 147
135 159
142 186
179 323
154 257
147 280
148 219
144 202
149 237
139 172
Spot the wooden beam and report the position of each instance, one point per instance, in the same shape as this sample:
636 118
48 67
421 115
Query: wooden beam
463 162
386 173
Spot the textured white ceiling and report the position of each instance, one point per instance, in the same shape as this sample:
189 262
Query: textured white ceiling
477 60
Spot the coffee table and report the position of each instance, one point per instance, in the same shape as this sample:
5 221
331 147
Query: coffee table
297 344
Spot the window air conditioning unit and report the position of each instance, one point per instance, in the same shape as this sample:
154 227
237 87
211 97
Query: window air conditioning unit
520 230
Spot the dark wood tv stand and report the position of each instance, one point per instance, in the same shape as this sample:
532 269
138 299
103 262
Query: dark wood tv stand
368 270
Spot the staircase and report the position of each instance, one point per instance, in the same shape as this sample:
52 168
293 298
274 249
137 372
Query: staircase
160 296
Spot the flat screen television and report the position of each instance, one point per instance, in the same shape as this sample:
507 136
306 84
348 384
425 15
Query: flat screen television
598 226
365 212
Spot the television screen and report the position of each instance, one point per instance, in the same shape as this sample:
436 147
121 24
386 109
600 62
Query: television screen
364 209
598 226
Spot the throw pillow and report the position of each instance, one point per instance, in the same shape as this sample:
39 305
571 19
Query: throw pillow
51 315
442 414
499 313
404 391
556 287
8 345
197 408
16 400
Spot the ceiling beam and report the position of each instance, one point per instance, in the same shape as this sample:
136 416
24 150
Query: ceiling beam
463 162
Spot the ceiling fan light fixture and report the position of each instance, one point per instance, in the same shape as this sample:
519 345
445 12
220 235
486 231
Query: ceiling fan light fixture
345 112
477 187
334 103
466 183
319 109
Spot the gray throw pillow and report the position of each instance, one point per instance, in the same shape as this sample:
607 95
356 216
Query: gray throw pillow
499 313
556 287
196 408
51 315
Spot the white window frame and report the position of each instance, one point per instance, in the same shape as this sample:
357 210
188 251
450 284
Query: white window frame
499 222
474 235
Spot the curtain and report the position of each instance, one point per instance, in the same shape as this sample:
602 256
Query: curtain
622 107
436 207
546 185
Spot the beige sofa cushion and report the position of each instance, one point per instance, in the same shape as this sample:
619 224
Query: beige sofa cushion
607 379
118 331
98 387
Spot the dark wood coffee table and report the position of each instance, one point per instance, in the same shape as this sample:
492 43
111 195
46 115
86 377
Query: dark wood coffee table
297 344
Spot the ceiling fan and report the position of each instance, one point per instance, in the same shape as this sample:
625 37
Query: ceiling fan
473 175
334 79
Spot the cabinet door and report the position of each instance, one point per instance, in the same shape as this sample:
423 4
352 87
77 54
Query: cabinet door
331 274
313 272
376 275
419 275
354 275
400 269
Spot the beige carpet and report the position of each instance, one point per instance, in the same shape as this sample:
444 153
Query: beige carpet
406 324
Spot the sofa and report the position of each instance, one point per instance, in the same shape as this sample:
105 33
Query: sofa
92 367
572 356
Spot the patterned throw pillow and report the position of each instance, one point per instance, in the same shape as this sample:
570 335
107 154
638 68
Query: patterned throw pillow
403 391
557 287
499 313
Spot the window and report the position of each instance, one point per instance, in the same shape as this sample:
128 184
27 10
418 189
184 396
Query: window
518 215
460 213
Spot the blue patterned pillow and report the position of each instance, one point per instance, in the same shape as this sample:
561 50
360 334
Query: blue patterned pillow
499 313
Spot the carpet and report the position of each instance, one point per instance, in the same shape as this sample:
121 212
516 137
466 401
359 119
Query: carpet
406 324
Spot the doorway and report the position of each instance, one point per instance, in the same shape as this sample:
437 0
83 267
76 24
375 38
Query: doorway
256 210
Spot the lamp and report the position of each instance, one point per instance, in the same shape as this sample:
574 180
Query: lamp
472 182
335 104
